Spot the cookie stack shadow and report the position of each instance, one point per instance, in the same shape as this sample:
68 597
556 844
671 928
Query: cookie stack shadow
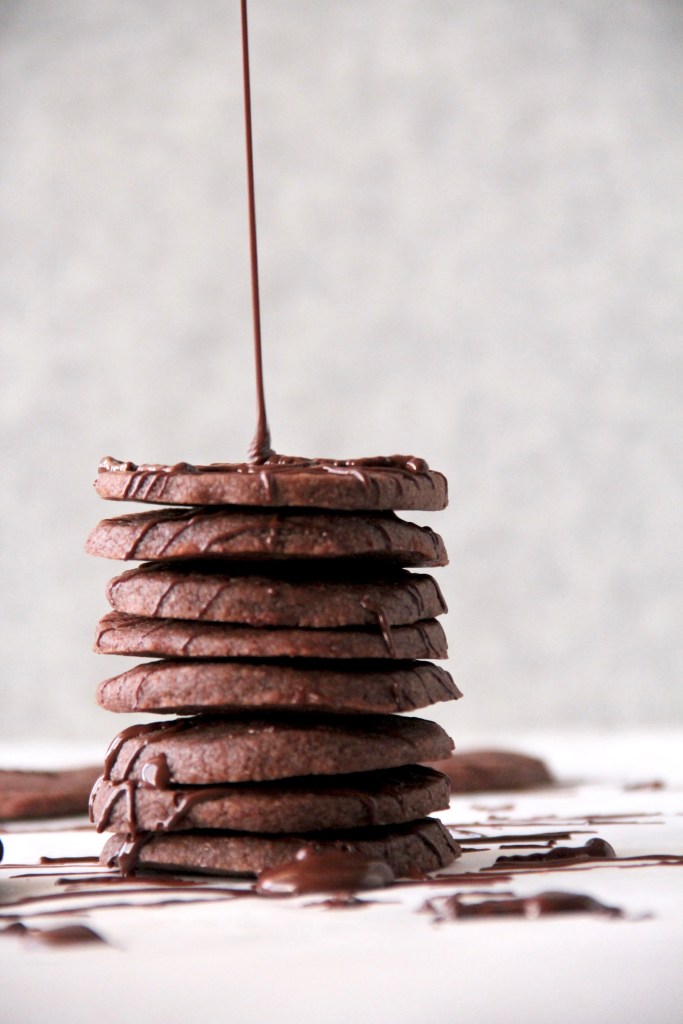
289 637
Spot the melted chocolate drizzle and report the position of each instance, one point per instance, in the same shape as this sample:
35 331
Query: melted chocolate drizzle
456 908
260 448
594 849
150 480
382 621
336 871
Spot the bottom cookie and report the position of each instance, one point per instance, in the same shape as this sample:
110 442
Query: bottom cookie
409 849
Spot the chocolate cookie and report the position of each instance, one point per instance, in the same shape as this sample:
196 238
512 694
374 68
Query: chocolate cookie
393 482
493 769
296 805
409 849
129 634
189 687
250 748
296 596
35 794
257 534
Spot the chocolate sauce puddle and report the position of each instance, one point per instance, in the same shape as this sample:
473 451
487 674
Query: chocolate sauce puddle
335 871
515 837
455 908
593 849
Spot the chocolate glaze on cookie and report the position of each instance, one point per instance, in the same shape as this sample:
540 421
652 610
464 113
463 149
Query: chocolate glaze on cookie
380 483
335 871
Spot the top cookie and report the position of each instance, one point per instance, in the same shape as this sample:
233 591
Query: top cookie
394 482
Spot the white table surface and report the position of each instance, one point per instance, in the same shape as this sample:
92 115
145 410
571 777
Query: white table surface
257 960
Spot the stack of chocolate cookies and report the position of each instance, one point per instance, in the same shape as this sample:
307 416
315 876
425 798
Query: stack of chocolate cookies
290 636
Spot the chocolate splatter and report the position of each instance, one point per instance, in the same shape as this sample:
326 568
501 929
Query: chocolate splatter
334 871
452 908
594 849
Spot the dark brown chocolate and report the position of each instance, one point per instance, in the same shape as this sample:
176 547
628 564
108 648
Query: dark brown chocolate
398 482
594 849
456 907
337 871
260 448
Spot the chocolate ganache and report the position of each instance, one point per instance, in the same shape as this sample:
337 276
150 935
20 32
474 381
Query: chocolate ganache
391 482
312 870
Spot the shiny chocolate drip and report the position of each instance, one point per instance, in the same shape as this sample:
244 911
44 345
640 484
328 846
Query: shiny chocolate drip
382 621
456 908
335 871
128 854
259 449
594 849
128 788
152 478
155 772
144 734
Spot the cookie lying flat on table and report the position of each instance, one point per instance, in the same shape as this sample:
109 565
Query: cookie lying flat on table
409 849
480 770
252 748
189 687
296 596
294 805
36 794
255 534
176 638
385 482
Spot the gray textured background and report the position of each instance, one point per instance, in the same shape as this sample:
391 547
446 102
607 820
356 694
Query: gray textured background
471 238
